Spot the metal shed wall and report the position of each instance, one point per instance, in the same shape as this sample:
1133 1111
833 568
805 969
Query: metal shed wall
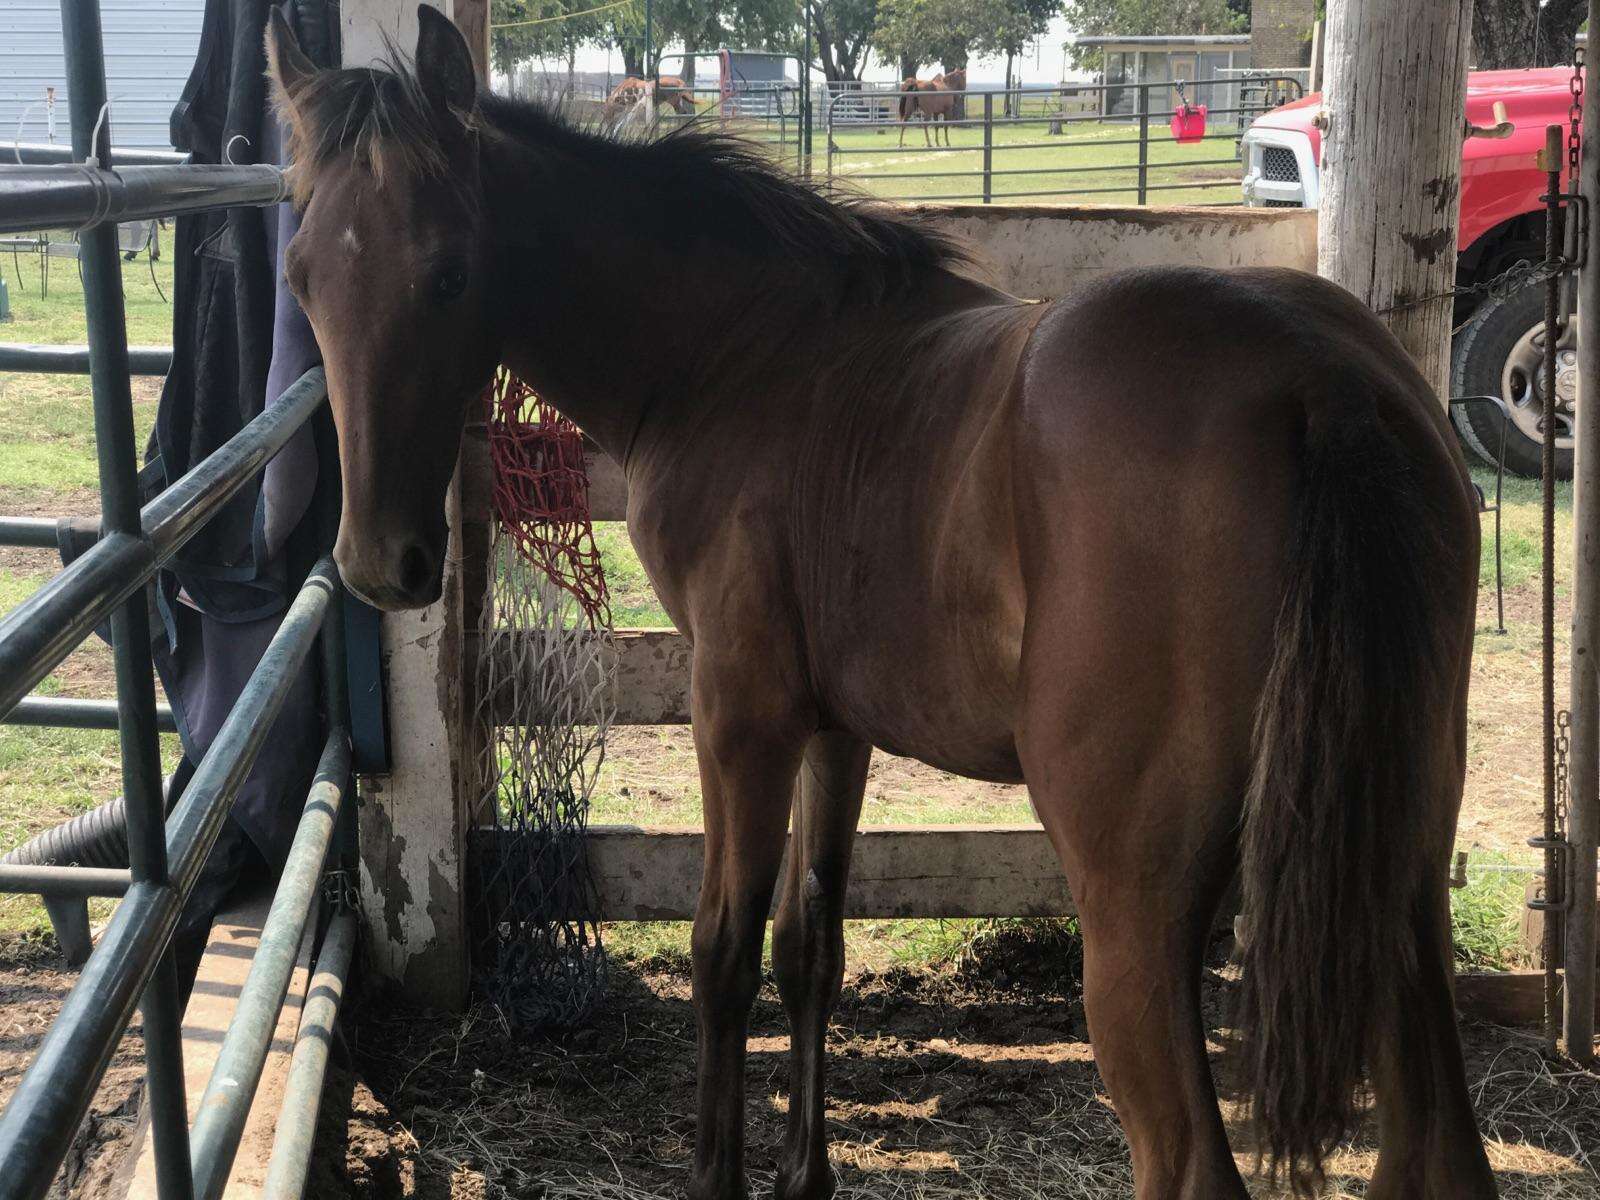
150 48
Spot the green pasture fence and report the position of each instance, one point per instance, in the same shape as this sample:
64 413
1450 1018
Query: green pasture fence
89 189
1056 168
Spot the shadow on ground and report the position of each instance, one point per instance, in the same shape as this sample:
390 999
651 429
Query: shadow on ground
974 1079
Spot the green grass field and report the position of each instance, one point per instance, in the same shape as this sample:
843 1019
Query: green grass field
47 467
1088 162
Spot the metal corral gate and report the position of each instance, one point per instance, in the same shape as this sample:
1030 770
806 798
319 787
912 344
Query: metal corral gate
1036 127
133 962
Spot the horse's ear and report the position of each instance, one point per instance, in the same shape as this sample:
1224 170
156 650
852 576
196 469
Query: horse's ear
287 64
444 64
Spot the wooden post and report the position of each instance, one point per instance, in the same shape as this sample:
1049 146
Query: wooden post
1583 809
1394 105
414 820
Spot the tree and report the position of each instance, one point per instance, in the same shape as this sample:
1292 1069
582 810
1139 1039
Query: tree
544 29
1518 33
843 30
1097 18
1015 24
699 26
914 32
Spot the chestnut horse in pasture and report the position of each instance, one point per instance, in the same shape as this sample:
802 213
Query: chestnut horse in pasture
633 91
1212 602
936 99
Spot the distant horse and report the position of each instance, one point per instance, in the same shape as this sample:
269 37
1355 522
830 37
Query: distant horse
626 97
937 99
1213 601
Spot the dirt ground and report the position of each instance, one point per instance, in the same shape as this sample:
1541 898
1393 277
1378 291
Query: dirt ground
973 1080
969 1080
33 983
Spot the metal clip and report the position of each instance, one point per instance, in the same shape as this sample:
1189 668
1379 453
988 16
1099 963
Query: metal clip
1562 850
340 891
1499 131
1577 249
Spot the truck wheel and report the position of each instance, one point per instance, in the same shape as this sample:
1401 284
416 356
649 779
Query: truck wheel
1499 353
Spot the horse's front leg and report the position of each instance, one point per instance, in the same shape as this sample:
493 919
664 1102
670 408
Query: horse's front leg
749 737
808 946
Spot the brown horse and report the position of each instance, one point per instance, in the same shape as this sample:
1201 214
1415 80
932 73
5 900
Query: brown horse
936 99
1213 602
632 91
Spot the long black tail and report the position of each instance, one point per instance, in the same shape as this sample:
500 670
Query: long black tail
1342 815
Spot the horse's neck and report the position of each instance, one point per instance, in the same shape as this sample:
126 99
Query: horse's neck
611 326
625 331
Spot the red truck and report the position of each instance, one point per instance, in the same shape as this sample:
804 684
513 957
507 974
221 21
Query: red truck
1498 343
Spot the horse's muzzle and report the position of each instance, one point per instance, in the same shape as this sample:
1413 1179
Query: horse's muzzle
393 582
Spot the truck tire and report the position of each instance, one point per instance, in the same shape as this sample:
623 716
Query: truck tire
1498 354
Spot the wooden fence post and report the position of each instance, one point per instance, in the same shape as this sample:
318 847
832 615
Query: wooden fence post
1394 108
414 820
1583 815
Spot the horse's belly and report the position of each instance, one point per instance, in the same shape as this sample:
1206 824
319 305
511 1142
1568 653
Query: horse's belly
951 711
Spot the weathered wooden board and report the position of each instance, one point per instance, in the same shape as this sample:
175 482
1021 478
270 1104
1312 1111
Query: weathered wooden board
652 675
1394 103
1514 998
653 874
235 937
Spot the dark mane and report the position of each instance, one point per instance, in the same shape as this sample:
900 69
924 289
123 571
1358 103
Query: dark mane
707 182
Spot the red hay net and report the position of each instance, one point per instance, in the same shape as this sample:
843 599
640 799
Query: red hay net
541 492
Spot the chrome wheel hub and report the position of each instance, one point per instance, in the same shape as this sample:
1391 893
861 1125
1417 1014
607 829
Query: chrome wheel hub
1522 384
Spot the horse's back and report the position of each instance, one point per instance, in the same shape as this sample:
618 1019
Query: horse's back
1160 456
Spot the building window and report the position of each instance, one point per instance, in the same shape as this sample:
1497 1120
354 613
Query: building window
1118 99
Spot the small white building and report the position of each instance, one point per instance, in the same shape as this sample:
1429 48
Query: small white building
150 48
1162 58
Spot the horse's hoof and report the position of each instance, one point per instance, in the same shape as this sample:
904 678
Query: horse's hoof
710 1187
812 1181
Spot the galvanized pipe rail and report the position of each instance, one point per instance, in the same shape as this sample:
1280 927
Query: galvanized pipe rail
74 360
61 712
81 197
45 628
133 963
39 1124
37 154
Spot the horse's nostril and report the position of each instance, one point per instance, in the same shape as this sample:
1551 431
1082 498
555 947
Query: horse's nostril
416 570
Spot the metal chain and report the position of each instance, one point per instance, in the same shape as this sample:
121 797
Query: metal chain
1517 276
1574 162
1574 120
1563 729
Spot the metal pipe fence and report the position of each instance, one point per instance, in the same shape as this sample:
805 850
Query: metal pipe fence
88 189
1100 140
771 114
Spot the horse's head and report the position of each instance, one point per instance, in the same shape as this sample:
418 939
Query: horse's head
671 90
393 266
908 98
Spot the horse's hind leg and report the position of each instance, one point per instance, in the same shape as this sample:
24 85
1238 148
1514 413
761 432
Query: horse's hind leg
1145 828
749 741
1428 1138
808 946
1429 1143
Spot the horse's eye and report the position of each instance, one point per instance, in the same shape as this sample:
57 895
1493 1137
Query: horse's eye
450 282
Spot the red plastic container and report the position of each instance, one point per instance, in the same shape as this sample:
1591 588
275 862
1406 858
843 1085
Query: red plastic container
1189 123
